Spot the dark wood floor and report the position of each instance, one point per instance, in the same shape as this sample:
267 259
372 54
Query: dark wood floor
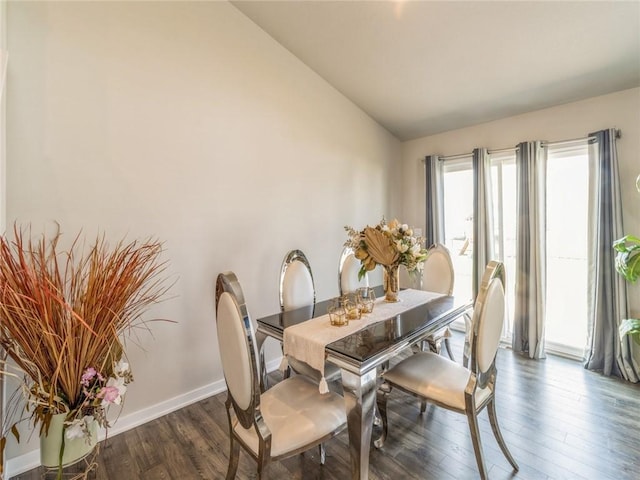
559 421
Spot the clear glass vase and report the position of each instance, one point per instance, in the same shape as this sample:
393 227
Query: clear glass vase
391 282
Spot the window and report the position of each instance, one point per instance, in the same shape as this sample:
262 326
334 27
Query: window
567 234
566 243
458 221
503 183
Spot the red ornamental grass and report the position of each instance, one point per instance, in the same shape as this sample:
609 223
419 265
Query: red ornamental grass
62 311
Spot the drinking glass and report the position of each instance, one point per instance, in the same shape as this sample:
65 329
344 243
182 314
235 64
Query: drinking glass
338 314
366 298
352 306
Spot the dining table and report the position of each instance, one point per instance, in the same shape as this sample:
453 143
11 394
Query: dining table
360 354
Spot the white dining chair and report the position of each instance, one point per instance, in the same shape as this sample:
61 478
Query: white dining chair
297 290
438 276
261 423
348 268
447 384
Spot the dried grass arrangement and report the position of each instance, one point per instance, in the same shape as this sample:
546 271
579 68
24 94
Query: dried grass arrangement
64 317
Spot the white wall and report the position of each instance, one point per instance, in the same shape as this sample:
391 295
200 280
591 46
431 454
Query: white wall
574 120
186 122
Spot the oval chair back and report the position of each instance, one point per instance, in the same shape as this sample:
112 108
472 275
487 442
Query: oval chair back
437 273
296 282
488 319
238 349
348 268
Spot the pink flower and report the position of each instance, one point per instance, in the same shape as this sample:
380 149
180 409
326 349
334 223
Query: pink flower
88 375
109 394
113 391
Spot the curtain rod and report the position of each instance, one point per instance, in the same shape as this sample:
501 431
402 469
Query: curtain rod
455 157
567 142
503 150
514 149
588 139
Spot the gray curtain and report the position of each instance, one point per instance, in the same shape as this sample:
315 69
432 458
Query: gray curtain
607 289
434 225
483 241
528 328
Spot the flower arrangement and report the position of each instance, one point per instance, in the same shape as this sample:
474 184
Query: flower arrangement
64 316
388 244
98 393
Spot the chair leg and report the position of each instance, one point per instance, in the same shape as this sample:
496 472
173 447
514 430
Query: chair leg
466 351
381 402
234 456
287 371
264 380
493 419
447 345
263 463
323 453
434 345
423 406
477 445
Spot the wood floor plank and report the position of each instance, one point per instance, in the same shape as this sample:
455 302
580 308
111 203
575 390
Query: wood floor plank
560 421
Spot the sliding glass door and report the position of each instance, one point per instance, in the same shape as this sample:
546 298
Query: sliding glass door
567 233
458 221
566 241
566 237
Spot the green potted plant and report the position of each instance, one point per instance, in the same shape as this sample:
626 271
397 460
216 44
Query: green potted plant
64 317
628 265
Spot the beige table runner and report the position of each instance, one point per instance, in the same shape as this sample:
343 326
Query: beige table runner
307 340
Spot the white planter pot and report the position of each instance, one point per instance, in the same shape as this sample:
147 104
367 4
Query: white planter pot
74 450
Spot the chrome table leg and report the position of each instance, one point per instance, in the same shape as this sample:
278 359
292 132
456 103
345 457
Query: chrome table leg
359 398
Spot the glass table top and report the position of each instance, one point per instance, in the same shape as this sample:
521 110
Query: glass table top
408 326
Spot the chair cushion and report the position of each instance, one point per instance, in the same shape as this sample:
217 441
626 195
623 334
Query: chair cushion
297 415
490 325
437 271
434 377
297 287
349 281
232 338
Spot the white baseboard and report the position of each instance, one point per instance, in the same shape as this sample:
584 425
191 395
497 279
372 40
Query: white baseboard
30 460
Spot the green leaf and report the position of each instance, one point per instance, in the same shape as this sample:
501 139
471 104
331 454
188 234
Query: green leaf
627 262
362 272
631 327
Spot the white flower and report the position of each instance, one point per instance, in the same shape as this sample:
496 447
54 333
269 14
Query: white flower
79 428
401 246
121 368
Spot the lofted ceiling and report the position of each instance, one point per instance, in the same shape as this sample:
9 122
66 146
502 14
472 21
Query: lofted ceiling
424 67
